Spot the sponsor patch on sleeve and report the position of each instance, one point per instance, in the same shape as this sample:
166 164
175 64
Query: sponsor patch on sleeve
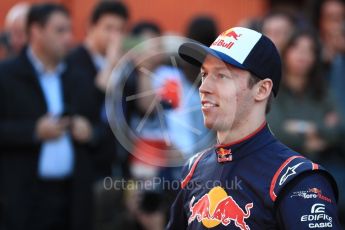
311 193
317 217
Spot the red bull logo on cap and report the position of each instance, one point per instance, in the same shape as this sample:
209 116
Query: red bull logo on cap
223 39
216 207
231 33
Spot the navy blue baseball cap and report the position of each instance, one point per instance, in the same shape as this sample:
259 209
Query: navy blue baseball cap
243 48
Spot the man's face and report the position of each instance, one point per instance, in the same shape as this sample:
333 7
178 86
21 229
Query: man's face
109 28
56 35
225 96
300 57
278 29
17 33
332 17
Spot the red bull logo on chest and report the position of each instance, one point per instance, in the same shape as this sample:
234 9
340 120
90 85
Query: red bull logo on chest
216 207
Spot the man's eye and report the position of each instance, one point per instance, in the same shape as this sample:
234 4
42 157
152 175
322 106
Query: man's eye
222 76
203 74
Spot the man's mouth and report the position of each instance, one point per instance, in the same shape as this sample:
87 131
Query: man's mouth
208 104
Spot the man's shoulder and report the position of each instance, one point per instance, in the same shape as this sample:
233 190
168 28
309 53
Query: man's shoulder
10 64
276 152
78 50
292 166
285 165
78 54
13 66
79 62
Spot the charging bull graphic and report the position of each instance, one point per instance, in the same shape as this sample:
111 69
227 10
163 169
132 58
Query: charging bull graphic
231 33
216 207
200 210
226 39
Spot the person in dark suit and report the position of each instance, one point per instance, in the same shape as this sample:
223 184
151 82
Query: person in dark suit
45 130
93 61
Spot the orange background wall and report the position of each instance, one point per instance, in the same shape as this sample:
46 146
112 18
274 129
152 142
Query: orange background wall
171 15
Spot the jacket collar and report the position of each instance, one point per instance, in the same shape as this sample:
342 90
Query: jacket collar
247 145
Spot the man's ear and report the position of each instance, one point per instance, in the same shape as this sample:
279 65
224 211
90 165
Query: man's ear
263 89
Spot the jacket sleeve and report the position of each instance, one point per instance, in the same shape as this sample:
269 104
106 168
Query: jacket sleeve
308 202
17 133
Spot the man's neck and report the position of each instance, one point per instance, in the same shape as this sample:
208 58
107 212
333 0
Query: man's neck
49 63
239 131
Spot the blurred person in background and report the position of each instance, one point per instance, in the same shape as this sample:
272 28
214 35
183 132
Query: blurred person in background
202 29
4 53
4 46
331 29
43 137
93 61
15 26
146 112
304 116
148 212
336 85
183 113
278 26
328 16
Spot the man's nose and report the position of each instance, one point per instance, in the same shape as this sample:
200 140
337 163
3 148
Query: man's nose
206 85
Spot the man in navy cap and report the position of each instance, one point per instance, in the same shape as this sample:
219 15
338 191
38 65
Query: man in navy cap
248 180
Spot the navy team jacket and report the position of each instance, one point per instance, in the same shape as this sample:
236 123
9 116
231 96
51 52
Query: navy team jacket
254 183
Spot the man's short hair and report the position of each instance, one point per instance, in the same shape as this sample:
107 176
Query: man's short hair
253 80
109 7
144 26
40 13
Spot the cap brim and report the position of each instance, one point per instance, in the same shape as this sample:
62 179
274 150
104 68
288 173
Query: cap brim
195 54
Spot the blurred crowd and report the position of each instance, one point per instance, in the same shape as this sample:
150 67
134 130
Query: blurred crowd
76 118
